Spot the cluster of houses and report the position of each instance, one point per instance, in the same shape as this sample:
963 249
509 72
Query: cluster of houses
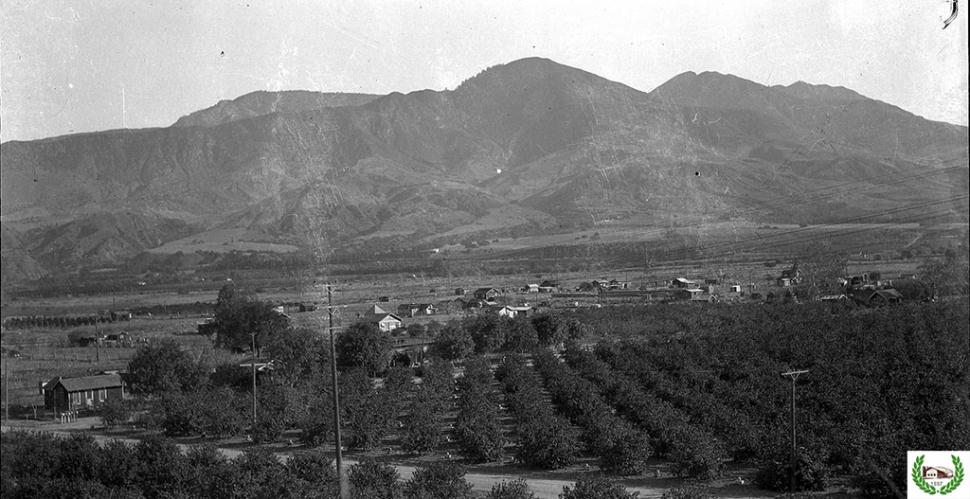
481 300
603 285
869 290
121 339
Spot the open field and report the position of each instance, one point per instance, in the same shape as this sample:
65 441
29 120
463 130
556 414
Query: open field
220 241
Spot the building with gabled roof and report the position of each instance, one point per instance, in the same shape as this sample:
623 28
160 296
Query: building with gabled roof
385 321
85 392
680 282
412 309
486 293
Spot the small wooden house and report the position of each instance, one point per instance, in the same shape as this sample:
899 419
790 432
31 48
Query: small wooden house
86 392
385 321
682 283
486 294
413 309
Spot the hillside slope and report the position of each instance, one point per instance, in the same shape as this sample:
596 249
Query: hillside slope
531 145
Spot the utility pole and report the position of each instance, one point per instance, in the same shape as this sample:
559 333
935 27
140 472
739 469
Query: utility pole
793 375
6 390
336 398
254 380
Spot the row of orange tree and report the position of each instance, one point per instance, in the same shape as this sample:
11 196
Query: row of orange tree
880 382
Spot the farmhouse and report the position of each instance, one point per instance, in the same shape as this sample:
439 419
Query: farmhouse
86 392
413 309
703 297
792 275
486 293
531 288
384 321
476 303
548 287
511 312
689 293
682 283
875 297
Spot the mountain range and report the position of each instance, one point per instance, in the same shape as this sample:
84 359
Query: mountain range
531 146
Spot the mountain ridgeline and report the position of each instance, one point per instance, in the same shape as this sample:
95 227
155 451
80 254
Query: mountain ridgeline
527 146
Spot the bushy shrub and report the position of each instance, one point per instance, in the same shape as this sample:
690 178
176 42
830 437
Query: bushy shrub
596 487
441 480
687 492
370 479
516 489
115 411
811 474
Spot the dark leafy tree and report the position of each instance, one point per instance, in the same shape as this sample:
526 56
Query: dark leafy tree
115 411
596 487
487 332
364 346
276 412
520 335
951 275
422 426
453 342
416 330
210 473
516 489
367 412
440 480
261 474
118 465
314 413
162 468
550 329
313 475
477 429
213 412
298 353
687 492
239 315
164 367
370 479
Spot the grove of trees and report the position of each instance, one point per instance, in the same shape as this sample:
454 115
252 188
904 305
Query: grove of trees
698 387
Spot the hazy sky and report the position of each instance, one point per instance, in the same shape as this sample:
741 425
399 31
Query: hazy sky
70 66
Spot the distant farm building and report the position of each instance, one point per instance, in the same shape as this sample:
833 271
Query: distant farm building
511 312
680 282
690 293
475 303
413 309
86 392
384 321
876 297
486 294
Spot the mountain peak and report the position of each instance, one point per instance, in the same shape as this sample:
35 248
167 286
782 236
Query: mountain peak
263 102
809 91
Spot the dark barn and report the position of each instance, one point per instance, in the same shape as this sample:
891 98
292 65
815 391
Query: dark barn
87 392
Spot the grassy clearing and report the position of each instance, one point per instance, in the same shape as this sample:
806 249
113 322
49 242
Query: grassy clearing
220 241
